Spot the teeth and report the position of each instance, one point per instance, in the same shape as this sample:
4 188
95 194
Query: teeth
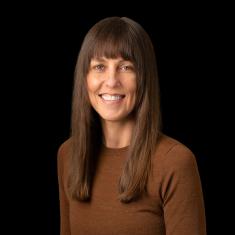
111 97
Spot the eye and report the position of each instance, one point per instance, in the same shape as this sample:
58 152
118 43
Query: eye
127 68
99 67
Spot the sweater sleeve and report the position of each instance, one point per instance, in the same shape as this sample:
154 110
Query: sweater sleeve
64 203
182 195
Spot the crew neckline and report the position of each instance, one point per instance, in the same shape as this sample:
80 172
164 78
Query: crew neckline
109 150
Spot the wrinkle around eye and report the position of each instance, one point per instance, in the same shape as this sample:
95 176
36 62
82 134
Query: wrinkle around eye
98 68
127 68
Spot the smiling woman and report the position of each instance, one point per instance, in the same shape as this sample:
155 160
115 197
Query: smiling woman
111 85
118 173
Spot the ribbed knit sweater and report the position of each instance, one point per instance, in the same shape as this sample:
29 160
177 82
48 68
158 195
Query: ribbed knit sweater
173 206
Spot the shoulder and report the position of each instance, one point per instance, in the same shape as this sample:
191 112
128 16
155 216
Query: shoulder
64 147
172 154
63 151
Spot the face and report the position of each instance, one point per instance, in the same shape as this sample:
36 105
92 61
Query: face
111 86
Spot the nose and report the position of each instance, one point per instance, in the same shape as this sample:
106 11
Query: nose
112 79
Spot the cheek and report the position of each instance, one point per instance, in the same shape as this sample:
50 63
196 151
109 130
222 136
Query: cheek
92 84
133 90
132 86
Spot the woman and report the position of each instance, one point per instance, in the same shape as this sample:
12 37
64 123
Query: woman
118 174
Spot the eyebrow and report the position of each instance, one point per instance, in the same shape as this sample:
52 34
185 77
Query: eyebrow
104 60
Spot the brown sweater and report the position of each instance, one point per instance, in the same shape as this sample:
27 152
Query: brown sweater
174 205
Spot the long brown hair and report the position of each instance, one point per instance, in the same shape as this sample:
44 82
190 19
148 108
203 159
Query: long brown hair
113 37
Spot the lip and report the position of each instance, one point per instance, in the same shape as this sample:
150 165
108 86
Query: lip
113 102
111 94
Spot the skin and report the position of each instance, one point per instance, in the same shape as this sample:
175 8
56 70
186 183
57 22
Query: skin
113 76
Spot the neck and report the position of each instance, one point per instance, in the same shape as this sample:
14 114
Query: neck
117 134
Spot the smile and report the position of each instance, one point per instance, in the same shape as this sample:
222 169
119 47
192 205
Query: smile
112 99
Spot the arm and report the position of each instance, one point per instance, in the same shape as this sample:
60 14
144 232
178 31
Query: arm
64 203
182 194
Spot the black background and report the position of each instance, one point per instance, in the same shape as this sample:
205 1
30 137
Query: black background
42 42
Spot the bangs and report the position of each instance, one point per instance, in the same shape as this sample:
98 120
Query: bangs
112 43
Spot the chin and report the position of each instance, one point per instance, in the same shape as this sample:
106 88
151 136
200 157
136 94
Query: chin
112 119
115 118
